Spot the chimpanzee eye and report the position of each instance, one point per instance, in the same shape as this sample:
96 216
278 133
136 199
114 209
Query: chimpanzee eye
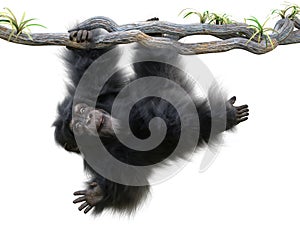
78 125
82 110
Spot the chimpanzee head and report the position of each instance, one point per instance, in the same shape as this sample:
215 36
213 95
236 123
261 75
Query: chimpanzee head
80 120
87 120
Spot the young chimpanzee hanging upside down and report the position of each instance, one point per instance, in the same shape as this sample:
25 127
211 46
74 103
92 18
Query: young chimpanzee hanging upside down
78 119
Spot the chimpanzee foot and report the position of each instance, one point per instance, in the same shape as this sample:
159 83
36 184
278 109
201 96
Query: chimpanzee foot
80 36
236 114
91 197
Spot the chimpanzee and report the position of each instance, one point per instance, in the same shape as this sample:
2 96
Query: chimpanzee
82 118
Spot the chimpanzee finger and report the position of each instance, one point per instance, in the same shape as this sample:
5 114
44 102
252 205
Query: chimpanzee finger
93 184
83 206
243 115
80 199
242 120
84 35
89 36
243 111
79 35
88 209
73 35
241 107
79 193
232 100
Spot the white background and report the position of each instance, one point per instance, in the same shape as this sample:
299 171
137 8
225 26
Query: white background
254 180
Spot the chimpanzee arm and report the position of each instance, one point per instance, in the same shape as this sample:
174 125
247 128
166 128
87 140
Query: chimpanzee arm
78 60
212 125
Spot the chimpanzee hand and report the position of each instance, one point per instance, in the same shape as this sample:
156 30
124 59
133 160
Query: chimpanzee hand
236 114
91 197
80 36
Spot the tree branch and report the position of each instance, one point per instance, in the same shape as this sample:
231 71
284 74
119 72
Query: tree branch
233 36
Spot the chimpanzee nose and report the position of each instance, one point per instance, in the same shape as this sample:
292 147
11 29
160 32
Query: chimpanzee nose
89 118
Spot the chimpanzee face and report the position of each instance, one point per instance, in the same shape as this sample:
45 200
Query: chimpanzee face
87 120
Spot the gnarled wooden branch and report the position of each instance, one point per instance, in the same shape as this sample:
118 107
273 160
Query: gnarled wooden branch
233 36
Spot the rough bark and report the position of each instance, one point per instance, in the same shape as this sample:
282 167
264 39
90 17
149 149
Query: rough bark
232 36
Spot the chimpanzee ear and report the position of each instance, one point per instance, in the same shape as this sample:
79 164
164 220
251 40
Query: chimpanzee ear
71 148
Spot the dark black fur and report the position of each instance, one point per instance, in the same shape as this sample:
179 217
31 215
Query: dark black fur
120 197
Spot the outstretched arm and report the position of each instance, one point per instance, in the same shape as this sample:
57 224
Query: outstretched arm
225 120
